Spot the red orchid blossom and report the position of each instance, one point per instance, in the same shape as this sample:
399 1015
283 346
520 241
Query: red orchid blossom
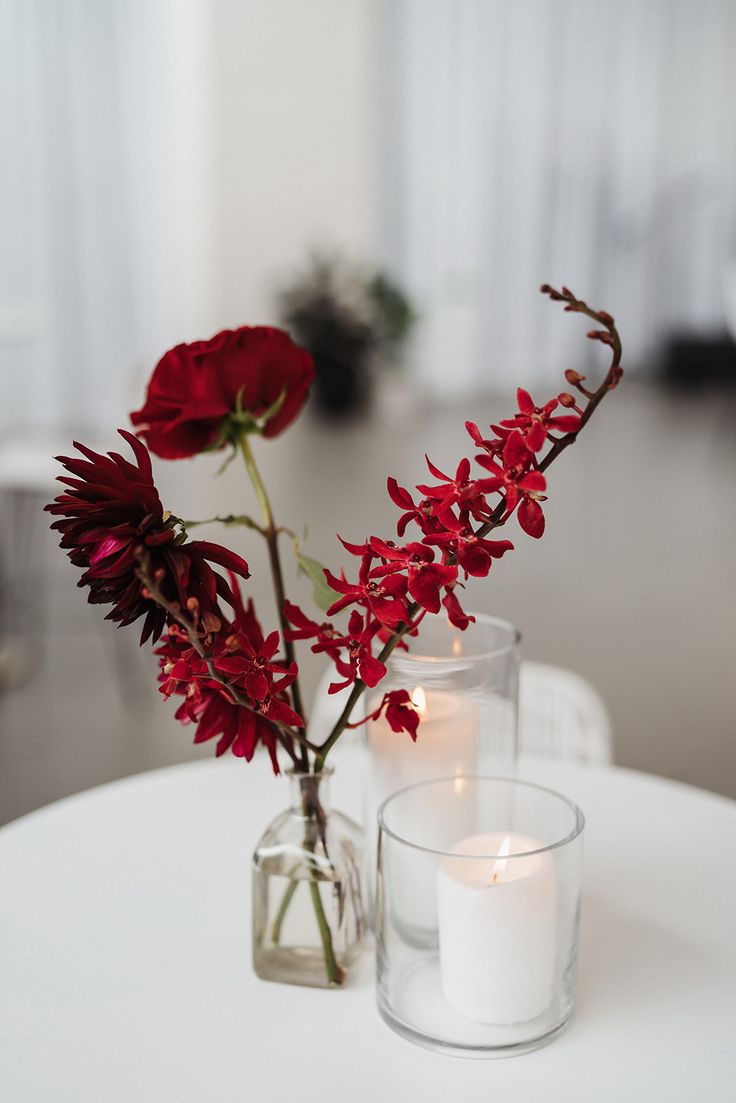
468 494
358 660
474 554
423 513
517 482
425 578
535 422
401 712
209 705
384 596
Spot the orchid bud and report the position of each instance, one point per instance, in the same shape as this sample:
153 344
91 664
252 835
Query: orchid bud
555 296
211 622
566 399
573 377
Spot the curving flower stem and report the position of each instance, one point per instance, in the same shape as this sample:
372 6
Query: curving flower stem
313 810
270 533
609 336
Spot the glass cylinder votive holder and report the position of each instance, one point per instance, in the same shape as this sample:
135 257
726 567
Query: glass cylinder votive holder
477 914
464 686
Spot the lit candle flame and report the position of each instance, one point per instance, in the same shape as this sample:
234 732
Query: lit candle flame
502 860
419 700
457 646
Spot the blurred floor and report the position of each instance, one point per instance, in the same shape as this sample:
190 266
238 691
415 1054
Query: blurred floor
632 586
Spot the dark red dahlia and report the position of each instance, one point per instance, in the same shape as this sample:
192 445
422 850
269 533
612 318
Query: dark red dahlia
111 521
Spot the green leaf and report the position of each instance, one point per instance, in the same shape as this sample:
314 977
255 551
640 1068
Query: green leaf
324 595
273 409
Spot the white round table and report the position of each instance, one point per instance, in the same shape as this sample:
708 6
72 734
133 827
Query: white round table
125 972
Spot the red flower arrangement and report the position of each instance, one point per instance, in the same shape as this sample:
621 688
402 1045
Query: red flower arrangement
237 684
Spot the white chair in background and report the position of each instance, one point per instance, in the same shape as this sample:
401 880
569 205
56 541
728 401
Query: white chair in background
562 716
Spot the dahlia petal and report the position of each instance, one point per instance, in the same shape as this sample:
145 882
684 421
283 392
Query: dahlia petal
222 556
141 453
211 721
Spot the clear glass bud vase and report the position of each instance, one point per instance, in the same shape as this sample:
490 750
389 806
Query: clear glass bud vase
307 904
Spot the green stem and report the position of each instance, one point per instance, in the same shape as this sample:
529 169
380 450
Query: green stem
271 534
280 916
335 972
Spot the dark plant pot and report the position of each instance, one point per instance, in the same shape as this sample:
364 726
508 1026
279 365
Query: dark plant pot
341 387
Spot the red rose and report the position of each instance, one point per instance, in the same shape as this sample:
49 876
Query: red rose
194 388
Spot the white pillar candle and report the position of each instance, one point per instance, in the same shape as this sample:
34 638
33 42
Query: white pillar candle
496 919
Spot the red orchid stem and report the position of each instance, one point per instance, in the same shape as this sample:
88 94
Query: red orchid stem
500 514
270 533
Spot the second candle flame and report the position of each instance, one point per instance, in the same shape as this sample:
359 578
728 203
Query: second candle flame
419 700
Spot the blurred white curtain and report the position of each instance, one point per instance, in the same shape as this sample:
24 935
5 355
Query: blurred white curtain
589 142
103 211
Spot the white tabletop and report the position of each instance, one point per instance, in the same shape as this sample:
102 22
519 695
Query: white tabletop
125 972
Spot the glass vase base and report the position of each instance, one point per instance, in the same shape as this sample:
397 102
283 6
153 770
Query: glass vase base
431 1023
296 965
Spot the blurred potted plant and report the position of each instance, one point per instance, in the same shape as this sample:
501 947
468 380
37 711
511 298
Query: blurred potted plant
350 320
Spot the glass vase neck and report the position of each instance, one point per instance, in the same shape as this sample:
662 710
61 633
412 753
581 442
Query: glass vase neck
310 791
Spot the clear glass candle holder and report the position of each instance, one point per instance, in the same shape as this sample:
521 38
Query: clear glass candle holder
465 687
478 890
